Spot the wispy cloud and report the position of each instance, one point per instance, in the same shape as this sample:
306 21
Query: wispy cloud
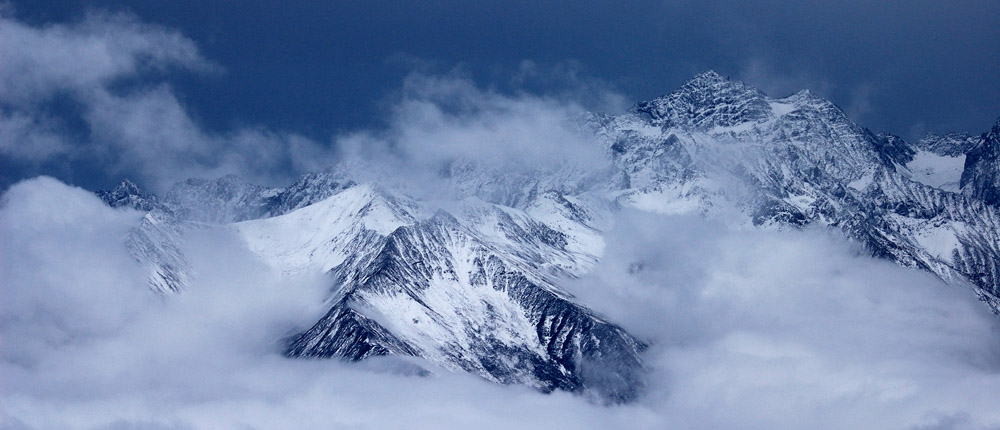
437 120
113 68
39 62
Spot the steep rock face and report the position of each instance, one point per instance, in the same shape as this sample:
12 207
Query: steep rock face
939 160
157 241
785 162
322 236
919 226
555 234
951 144
981 177
128 194
899 151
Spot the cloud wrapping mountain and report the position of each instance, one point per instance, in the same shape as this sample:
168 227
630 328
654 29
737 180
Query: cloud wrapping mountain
774 329
706 259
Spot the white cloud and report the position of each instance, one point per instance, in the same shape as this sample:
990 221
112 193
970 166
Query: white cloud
37 62
441 119
152 135
66 275
749 330
793 329
32 138
145 132
140 130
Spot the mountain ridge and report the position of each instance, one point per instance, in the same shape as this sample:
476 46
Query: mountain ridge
475 287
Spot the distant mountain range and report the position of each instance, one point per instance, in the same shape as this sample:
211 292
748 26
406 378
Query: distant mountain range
475 286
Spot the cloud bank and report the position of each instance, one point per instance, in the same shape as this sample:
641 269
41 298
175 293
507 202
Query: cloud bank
749 330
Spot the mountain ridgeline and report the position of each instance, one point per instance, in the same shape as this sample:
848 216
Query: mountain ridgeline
475 286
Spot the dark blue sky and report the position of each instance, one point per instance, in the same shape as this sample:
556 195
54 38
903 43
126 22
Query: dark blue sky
322 67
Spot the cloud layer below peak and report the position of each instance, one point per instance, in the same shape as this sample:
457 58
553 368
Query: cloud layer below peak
749 330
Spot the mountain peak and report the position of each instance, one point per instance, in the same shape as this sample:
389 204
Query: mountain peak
127 185
127 193
705 101
981 173
804 96
709 77
712 82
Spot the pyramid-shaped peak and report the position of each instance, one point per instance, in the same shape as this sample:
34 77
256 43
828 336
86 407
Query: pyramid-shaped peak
707 100
128 194
711 87
806 97
127 187
127 184
710 76
806 94
711 82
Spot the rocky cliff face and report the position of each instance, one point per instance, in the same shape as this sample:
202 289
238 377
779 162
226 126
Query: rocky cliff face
951 144
981 176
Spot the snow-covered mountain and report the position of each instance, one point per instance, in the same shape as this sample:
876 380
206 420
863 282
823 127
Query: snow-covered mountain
800 160
474 284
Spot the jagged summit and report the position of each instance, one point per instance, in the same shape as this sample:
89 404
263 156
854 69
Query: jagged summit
896 151
127 186
128 194
705 81
951 144
226 199
708 100
981 176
